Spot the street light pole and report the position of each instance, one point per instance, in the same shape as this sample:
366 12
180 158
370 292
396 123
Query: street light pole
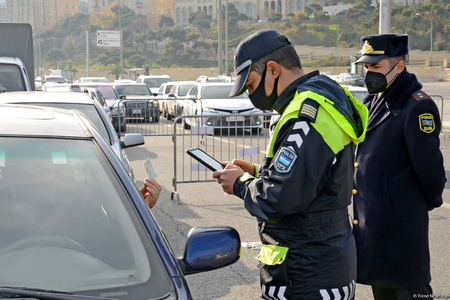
121 46
219 43
431 36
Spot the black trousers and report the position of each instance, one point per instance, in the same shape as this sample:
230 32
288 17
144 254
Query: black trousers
407 293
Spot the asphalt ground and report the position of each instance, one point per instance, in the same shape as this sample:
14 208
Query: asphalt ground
205 204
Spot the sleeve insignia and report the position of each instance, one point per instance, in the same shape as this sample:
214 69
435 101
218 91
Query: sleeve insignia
285 160
426 123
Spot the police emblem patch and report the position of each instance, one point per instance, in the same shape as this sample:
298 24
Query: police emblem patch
426 123
285 159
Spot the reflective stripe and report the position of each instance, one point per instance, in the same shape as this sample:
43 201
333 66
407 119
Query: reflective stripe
243 66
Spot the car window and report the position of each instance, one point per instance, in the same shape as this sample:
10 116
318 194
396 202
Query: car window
156 82
11 78
184 89
193 91
168 87
219 92
129 90
107 92
89 111
55 79
78 231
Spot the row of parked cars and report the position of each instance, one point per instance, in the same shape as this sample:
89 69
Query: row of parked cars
72 220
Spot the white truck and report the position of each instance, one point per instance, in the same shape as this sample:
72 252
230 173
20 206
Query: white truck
16 58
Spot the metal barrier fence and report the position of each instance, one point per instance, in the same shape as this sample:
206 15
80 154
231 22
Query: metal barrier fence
223 136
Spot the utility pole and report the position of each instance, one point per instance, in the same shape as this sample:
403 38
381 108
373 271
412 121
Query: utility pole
385 17
227 72
87 53
219 46
121 44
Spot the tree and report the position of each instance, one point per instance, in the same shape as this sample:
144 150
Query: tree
55 55
166 22
201 20
114 70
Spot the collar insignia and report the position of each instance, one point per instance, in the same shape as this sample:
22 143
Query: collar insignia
368 49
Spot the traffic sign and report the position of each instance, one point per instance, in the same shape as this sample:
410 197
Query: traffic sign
108 38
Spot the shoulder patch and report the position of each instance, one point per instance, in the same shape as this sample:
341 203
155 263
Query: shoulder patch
426 123
420 95
285 160
309 110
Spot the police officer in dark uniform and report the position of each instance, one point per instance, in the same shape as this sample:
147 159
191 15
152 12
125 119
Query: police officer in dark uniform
399 174
301 192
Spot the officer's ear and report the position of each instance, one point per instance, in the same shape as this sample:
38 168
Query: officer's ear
400 66
273 69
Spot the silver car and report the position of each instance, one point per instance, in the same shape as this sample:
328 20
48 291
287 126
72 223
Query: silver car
90 108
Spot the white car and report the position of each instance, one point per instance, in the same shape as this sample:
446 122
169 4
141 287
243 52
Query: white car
358 92
153 81
210 99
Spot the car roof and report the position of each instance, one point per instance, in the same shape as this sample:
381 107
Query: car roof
46 97
128 83
184 82
27 120
214 84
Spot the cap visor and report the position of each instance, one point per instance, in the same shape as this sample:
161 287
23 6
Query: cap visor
370 59
239 86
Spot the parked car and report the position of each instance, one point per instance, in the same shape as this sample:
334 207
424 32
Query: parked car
350 79
220 78
91 108
211 99
359 93
140 104
52 80
153 81
105 92
74 226
93 79
177 92
163 97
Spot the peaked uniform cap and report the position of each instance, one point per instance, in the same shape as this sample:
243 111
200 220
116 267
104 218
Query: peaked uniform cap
250 50
378 46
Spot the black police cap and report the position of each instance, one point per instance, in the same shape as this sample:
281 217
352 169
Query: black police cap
250 50
378 46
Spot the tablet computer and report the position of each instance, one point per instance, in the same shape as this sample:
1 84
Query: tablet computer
204 158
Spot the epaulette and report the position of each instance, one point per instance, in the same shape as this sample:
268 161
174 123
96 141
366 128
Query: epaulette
309 110
420 95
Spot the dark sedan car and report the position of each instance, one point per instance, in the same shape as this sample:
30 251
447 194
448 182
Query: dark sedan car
73 225
139 101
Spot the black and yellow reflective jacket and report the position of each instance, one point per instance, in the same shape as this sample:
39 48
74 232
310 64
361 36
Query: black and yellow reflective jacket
308 166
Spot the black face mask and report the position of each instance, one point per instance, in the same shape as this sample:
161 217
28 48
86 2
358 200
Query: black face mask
260 99
376 82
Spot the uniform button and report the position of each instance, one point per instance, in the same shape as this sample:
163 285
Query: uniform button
356 164
354 191
355 222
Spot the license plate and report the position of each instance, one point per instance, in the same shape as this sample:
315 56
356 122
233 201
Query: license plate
136 111
235 119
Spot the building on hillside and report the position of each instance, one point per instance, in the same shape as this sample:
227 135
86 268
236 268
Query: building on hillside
42 15
140 7
254 9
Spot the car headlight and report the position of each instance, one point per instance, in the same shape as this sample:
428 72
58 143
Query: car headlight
155 103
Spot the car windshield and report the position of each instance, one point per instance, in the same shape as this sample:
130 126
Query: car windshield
133 90
11 78
88 110
73 228
184 89
107 92
156 82
55 79
96 80
219 92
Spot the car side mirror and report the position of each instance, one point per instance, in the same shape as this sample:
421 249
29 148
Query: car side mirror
171 95
132 140
122 97
192 97
210 248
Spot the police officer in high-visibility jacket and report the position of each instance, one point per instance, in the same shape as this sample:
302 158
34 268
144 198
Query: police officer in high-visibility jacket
301 192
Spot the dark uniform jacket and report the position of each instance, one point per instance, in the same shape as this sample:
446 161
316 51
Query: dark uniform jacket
399 177
303 188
